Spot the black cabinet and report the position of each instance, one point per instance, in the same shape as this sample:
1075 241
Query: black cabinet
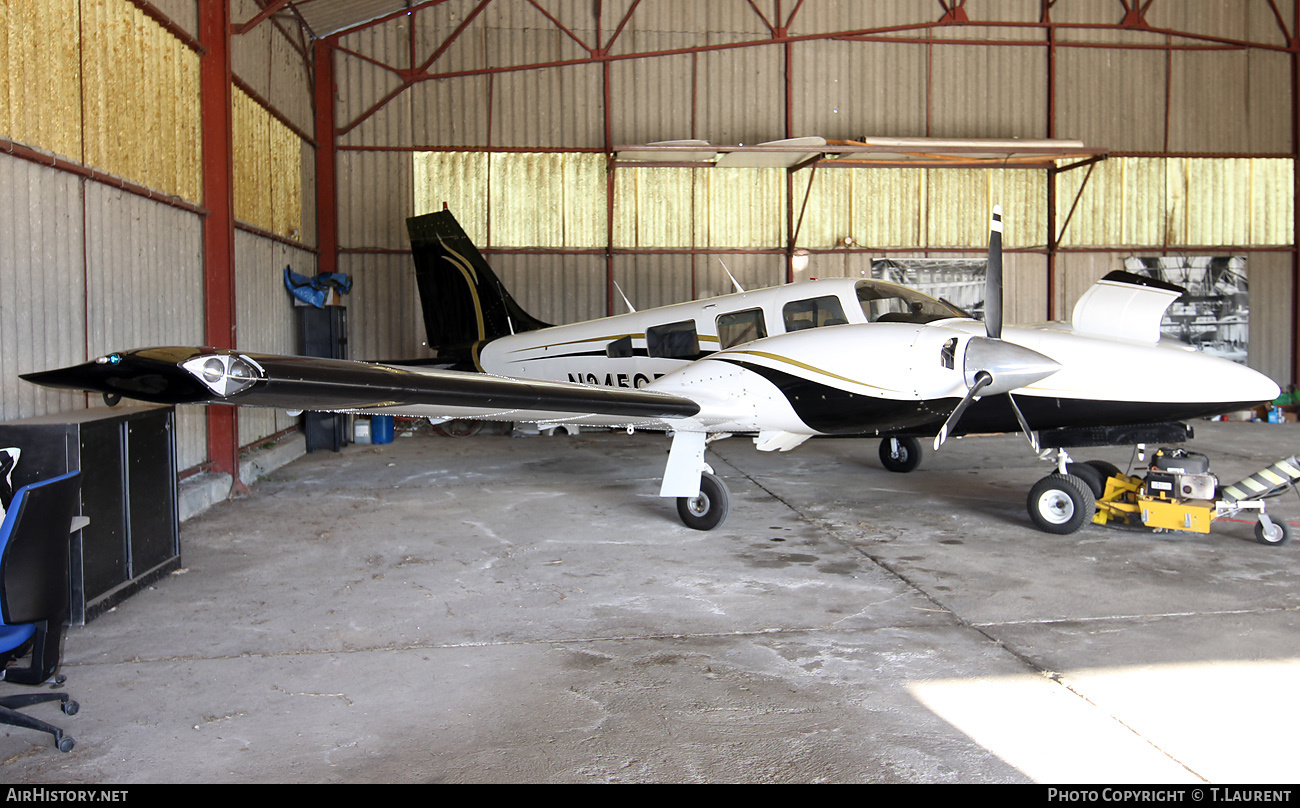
127 459
324 332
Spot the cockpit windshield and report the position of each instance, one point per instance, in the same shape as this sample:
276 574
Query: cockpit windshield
884 302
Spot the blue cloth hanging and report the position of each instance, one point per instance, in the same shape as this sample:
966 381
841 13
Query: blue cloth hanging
314 291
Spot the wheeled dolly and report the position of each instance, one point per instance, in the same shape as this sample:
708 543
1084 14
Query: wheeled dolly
1176 492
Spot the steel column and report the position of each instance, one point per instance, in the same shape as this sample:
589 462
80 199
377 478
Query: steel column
327 230
219 227
1051 172
1293 42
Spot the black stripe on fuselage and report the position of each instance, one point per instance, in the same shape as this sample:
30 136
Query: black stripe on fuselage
831 410
637 353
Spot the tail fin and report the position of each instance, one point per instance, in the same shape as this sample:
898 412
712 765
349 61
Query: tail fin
464 302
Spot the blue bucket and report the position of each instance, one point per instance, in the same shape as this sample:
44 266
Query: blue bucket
381 429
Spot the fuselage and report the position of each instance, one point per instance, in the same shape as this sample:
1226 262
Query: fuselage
846 356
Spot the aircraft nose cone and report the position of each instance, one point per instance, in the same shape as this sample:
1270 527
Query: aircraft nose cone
1011 366
1245 384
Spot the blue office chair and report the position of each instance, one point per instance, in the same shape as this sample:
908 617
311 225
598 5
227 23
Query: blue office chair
34 595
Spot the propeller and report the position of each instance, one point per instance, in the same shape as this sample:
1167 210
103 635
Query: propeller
992 365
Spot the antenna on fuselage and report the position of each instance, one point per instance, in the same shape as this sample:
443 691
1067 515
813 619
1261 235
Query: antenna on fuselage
734 282
626 302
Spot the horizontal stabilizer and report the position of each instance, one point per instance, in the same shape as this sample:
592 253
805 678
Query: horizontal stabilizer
1123 305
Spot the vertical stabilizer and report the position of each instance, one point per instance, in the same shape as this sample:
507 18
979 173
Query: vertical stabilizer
463 301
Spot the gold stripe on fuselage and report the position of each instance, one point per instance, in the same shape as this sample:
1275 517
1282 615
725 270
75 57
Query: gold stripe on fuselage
794 362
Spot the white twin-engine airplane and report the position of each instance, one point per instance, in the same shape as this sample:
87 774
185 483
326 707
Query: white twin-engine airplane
828 357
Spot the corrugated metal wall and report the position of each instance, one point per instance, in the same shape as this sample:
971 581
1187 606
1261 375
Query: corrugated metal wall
264 316
273 193
1210 120
268 170
144 262
42 284
86 267
1180 202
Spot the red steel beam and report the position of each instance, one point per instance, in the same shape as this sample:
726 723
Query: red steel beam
31 155
323 90
1295 232
257 19
215 98
781 36
1046 16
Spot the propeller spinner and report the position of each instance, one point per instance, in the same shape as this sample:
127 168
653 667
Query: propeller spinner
992 365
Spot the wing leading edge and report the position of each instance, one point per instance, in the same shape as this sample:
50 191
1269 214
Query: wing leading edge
180 375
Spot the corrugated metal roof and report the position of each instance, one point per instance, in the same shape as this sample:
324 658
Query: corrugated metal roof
325 17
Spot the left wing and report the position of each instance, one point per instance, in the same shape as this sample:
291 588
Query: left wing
177 375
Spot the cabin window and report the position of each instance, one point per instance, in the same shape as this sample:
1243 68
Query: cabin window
740 326
620 348
887 303
814 313
674 340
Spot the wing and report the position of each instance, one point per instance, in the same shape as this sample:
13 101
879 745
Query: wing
175 375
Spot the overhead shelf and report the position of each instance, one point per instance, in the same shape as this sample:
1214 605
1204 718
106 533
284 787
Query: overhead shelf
868 152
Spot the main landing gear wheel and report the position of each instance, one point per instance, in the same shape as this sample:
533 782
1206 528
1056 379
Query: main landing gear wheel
1061 504
1274 535
900 454
710 508
1092 475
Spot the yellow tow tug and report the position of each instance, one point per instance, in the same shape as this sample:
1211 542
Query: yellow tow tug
1177 492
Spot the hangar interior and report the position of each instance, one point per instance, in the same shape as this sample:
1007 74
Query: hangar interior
166 160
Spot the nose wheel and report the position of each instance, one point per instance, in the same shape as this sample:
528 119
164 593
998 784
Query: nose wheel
900 454
1061 504
708 510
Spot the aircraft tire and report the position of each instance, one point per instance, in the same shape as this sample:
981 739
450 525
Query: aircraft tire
1278 536
909 455
1061 504
1092 476
1107 470
710 508
459 428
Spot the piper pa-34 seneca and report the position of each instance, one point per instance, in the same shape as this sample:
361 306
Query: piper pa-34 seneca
828 357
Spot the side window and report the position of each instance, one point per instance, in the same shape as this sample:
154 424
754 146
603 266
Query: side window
674 340
814 313
620 348
740 326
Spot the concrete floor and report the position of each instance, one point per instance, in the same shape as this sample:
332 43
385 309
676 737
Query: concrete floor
497 609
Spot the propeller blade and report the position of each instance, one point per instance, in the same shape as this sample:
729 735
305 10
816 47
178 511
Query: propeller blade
1030 434
982 379
993 278
990 364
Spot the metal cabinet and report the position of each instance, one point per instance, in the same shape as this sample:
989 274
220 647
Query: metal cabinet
127 459
324 332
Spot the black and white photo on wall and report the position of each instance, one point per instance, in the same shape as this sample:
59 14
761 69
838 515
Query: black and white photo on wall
1214 315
